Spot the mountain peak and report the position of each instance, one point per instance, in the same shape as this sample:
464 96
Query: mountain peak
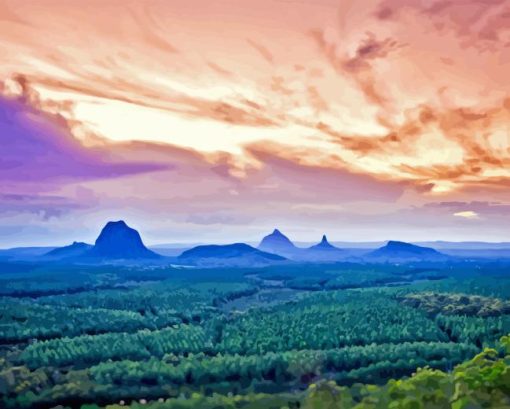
116 224
399 244
118 240
276 242
324 244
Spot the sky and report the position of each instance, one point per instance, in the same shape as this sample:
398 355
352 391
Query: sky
217 121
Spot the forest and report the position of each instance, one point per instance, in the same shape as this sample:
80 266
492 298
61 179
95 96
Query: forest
304 336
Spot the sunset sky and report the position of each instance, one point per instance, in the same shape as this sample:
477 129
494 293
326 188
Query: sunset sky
217 121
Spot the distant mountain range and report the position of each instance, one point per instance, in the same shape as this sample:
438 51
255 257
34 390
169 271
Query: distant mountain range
25 252
392 251
118 241
461 248
278 243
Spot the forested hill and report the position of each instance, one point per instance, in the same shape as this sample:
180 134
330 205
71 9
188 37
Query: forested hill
482 382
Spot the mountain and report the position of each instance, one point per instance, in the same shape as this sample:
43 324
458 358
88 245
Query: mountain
465 245
398 251
23 253
238 254
324 245
322 252
73 250
119 241
278 243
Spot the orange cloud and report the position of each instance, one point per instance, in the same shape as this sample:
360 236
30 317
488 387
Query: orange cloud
398 96
263 51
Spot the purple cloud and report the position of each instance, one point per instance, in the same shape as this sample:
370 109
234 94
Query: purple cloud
39 148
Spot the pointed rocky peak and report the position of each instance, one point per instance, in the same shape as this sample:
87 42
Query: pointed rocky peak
276 241
324 244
